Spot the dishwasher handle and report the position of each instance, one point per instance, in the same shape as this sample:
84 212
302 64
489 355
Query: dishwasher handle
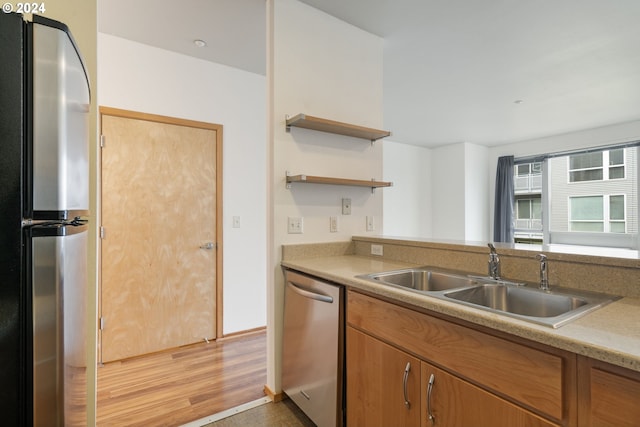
308 294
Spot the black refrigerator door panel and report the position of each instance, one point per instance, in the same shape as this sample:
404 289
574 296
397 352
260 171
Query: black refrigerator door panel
59 279
60 123
13 405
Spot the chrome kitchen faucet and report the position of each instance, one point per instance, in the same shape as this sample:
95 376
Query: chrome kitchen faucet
494 263
544 278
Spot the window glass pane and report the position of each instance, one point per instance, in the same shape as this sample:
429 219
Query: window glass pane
617 227
586 208
524 209
536 167
593 227
616 172
586 160
616 157
536 209
523 169
586 175
616 207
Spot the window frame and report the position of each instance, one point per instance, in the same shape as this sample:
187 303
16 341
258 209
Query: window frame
606 213
605 166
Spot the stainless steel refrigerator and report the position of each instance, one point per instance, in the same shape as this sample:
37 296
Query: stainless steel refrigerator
44 202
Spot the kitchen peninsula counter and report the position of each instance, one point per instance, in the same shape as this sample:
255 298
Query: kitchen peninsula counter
610 334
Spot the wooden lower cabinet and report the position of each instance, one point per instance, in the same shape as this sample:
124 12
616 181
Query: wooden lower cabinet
377 385
453 402
607 395
480 379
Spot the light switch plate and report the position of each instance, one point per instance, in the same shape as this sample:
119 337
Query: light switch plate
295 225
236 221
333 224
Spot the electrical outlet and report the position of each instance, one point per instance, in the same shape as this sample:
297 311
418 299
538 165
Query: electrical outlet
376 250
370 223
333 224
294 225
346 206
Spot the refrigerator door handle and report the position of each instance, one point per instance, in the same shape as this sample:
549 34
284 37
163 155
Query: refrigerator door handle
308 294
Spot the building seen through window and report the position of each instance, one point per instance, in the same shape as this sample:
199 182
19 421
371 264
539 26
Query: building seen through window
591 199
527 186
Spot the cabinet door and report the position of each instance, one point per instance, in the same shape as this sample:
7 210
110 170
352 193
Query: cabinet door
452 402
608 395
383 383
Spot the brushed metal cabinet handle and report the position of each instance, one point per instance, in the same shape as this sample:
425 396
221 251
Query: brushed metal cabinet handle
432 379
405 379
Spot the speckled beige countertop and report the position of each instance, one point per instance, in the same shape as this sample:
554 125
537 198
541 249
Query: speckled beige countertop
610 334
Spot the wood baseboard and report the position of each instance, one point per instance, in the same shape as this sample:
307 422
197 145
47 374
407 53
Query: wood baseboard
245 333
275 397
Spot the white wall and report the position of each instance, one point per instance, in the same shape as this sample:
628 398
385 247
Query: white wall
476 208
448 192
323 67
407 205
438 193
137 77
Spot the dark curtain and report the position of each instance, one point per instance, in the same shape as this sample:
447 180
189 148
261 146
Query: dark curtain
504 201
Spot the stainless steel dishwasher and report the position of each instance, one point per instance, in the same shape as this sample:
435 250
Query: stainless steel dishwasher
313 347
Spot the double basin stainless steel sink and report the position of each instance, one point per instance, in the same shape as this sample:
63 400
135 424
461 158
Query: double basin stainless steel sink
550 308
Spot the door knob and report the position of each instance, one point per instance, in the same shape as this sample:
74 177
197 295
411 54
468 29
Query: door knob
208 246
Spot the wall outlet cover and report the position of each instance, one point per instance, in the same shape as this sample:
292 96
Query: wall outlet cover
377 250
370 223
346 206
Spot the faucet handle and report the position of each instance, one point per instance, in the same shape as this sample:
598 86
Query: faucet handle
494 263
544 278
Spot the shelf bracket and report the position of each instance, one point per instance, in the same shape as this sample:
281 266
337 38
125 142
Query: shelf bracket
288 130
288 184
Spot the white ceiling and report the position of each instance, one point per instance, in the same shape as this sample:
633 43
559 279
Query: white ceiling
234 30
454 69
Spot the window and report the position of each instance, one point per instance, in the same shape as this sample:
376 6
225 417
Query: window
528 178
525 169
597 166
599 214
528 214
587 198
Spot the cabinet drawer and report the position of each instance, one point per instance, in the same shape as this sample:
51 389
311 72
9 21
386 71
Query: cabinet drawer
526 375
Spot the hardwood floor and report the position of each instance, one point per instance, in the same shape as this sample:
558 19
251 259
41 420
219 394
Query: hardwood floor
185 384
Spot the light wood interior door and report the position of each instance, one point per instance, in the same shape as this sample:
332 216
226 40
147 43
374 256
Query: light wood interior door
158 249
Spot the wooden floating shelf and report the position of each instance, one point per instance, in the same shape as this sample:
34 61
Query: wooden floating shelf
331 126
308 179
